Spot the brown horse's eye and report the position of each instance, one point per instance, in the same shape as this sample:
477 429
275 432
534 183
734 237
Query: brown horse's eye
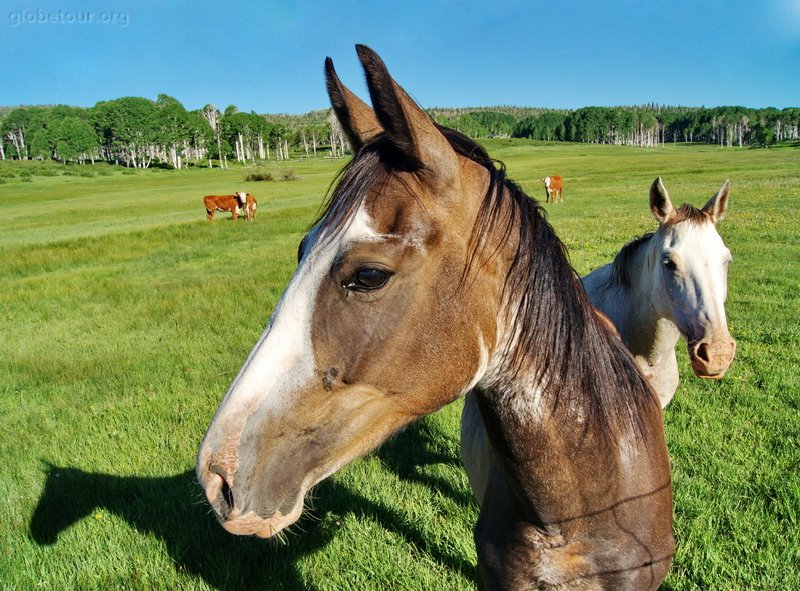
367 279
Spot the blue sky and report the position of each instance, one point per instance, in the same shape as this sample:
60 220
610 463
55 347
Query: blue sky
268 56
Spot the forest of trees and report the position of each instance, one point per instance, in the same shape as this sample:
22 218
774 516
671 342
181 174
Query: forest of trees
138 132
649 125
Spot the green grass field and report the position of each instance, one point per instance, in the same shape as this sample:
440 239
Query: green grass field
125 316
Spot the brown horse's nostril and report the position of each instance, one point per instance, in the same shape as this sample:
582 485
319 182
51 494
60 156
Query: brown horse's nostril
219 484
227 495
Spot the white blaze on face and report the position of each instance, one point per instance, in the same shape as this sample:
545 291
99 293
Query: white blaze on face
547 182
282 362
701 259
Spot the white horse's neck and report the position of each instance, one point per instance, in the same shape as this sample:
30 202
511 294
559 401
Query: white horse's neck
645 327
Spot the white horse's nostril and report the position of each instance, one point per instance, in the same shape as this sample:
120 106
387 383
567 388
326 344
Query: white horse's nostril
701 352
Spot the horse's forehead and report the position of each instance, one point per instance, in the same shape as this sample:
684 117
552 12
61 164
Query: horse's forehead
359 227
397 207
696 240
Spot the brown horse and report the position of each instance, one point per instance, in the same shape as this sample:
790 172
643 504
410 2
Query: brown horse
427 275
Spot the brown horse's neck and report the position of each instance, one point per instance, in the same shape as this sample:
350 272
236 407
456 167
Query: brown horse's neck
558 480
577 434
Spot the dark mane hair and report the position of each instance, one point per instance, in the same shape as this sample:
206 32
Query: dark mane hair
689 213
620 272
557 331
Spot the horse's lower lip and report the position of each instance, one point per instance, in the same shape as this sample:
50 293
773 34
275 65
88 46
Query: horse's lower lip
704 375
249 524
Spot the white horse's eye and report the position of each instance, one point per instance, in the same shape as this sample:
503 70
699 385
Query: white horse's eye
670 264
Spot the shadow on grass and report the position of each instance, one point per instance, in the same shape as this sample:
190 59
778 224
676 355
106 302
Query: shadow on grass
173 510
408 452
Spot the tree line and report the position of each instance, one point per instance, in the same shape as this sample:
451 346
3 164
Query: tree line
138 132
649 125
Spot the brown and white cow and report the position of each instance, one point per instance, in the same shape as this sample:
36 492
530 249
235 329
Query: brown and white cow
235 204
250 206
553 185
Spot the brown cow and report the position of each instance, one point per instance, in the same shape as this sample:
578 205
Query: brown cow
553 185
233 203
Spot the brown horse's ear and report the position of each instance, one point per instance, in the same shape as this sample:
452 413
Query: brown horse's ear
717 206
357 119
660 204
408 128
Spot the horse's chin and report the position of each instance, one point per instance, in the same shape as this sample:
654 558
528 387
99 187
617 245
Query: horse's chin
718 376
251 524
705 375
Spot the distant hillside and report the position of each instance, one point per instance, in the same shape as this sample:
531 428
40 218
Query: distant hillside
321 116
518 113
5 111
318 117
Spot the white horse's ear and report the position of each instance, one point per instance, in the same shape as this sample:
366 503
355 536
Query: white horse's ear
660 204
717 206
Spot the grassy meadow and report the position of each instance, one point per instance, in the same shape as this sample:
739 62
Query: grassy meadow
124 316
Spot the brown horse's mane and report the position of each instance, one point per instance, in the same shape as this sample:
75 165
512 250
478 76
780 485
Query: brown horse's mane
578 364
581 367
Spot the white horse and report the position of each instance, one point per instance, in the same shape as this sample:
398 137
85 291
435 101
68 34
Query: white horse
669 283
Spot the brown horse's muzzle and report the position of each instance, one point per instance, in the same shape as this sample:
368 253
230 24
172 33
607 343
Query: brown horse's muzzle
711 358
230 504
